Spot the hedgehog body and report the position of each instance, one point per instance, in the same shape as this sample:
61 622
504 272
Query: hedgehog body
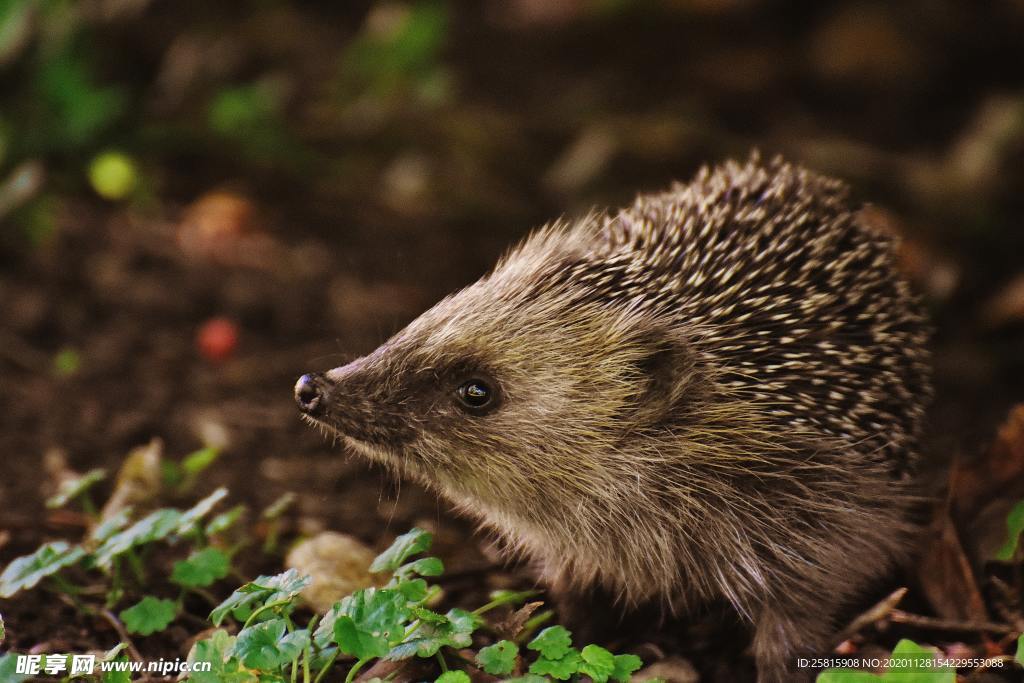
714 393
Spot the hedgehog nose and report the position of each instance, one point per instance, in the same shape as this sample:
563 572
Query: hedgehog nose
309 393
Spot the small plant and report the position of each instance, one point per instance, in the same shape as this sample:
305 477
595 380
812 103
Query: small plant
392 622
108 568
110 575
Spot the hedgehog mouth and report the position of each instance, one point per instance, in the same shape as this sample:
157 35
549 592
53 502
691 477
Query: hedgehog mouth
361 448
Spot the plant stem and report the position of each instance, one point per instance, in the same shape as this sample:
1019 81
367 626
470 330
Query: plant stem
505 599
114 594
355 669
268 606
122 632
440 660
409 631
135 562
327 667
532 624
65 585
306 654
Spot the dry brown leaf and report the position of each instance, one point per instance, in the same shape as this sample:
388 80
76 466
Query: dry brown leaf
338 563
510 627
670 670
138 481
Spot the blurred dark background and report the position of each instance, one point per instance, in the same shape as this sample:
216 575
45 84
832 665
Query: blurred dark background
199 201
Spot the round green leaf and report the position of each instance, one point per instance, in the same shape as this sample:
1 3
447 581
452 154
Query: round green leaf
498 659
149 615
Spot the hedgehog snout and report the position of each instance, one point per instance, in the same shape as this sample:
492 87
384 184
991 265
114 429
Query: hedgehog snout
309 394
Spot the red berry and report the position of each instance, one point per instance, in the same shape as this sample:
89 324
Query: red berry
217 339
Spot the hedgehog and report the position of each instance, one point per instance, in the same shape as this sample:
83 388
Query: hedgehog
712 395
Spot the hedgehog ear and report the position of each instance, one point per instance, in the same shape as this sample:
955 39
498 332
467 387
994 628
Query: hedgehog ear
667 371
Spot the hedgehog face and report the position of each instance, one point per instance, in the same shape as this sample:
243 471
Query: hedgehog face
512 399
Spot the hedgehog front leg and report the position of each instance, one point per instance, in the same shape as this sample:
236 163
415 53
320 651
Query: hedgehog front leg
775 643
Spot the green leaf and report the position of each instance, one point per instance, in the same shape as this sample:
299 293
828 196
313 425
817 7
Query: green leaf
201 569
1014 527
453 677
190 517
552 643
155 526
528 678
113 652
498 659
25 572
507 597
72 488
915 662
116 676
8 667
255 594
625 667
561 668
111 525
225 520
463 624
196 462
454 629
408 544
268 646
921 662
224 668
427 615
323 636
279 506
352 639
414 590
597 662
427 566
370 622
149 615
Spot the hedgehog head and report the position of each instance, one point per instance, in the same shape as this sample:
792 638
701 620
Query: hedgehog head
519 393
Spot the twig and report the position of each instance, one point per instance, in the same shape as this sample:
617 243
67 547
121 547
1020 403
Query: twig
122 633
901 617
876 612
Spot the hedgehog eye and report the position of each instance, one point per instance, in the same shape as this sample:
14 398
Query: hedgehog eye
475 394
